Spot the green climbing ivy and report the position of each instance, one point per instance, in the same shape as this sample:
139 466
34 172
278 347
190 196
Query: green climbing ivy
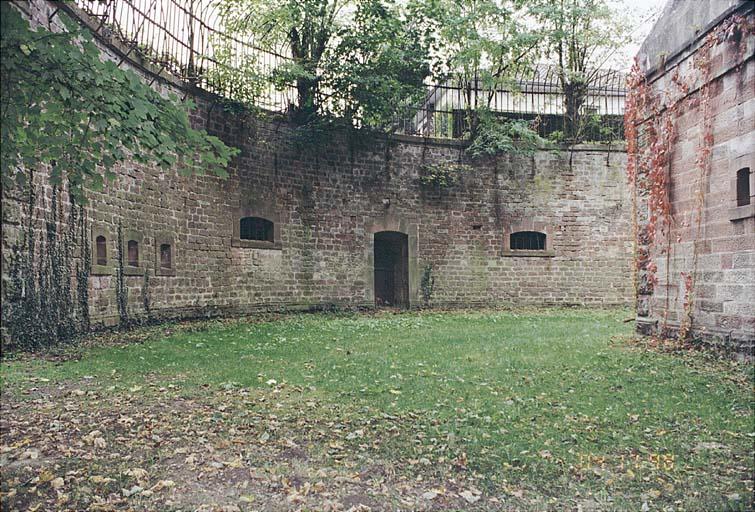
427 285
443 175
62 105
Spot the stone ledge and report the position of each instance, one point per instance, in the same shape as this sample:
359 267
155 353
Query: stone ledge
256 244
101 270
616 146
528 253
133 271
165 272
742 212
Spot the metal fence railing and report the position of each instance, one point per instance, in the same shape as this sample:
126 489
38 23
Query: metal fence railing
535 96
187 39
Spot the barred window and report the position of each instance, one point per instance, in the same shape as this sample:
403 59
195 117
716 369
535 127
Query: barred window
528 241
256 228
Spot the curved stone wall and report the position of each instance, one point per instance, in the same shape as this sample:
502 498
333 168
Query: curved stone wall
327 200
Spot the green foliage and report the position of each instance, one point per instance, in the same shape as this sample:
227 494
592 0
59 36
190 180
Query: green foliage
550 395
442 175
486 39
378 66
359 60
557 136
496 136
483 44
427 284
240 79
579 37
65 107
595 127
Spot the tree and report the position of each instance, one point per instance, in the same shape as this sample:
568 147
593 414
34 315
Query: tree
355 59
482 45
580 36
65 107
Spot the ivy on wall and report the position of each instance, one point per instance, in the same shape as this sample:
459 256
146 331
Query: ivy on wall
65 107
46 289
68 118
651 133
443 175
427 285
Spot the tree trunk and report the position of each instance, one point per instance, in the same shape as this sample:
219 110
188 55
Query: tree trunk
575 94
305 107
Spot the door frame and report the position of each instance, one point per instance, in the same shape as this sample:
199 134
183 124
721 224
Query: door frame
392 223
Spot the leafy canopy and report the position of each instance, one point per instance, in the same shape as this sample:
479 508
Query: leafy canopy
580 37
484 40
64 106
360 60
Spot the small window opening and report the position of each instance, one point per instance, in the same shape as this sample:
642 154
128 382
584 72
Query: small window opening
101 250
477 226
528 241
166 259
256 228
743 187
133 253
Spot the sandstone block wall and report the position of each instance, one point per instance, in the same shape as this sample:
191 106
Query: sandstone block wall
723 268
327 199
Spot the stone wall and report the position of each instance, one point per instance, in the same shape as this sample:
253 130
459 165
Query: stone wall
708 259
327 200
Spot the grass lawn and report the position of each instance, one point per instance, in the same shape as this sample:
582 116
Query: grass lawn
516 410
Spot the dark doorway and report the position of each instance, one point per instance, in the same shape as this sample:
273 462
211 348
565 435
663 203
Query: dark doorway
391 269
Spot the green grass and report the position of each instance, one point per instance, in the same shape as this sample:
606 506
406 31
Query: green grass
555 402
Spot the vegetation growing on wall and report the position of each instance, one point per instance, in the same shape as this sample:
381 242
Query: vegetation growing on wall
651 134
427 285
64 107
443 175
363 62
45 295
73 117
496 136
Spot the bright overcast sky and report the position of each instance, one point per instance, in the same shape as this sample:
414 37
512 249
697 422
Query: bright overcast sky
644 12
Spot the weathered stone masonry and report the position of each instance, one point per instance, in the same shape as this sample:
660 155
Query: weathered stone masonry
329 199
722 291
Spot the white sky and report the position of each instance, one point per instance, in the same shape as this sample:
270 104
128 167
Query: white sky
644 12
641 12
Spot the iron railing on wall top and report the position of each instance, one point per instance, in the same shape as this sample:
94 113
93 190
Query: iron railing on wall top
186 39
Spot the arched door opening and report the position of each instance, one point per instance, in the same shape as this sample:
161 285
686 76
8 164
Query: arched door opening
391 269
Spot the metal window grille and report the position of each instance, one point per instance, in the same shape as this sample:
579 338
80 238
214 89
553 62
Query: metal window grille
528 240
